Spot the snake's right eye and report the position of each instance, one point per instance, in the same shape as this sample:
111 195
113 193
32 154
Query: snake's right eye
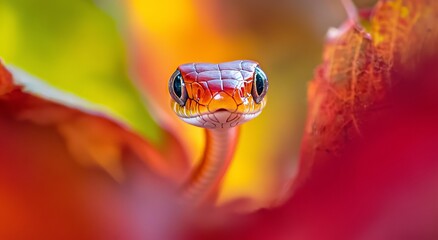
177 88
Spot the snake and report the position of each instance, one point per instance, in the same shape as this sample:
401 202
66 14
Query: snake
219 98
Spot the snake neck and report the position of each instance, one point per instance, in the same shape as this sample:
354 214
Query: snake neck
218 153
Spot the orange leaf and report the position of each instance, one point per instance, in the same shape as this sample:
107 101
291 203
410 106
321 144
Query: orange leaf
53 147
403 30
356 74
91 136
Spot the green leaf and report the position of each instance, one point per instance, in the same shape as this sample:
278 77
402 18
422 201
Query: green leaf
76 47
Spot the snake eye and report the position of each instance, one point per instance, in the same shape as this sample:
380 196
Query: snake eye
177 88
260 85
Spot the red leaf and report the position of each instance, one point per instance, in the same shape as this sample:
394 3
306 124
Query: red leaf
369 164
356 74
53 147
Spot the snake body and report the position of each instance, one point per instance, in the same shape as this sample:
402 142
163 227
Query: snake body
217 97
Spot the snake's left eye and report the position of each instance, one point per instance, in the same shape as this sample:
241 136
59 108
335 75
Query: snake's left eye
177 88
259 85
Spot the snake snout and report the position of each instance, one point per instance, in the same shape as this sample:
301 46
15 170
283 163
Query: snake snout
222 102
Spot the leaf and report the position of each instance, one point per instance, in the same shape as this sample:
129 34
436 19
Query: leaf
90 134
402 29
65 164
76 47
369 165
356 74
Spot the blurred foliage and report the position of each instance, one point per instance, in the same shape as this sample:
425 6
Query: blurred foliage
74 46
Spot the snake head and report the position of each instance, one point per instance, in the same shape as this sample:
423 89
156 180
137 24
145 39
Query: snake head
218 95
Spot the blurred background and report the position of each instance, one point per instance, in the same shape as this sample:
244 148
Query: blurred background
120 54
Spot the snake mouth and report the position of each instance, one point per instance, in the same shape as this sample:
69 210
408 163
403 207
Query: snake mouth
220 119
223 116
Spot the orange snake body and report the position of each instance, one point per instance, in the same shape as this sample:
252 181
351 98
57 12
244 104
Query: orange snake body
217 97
